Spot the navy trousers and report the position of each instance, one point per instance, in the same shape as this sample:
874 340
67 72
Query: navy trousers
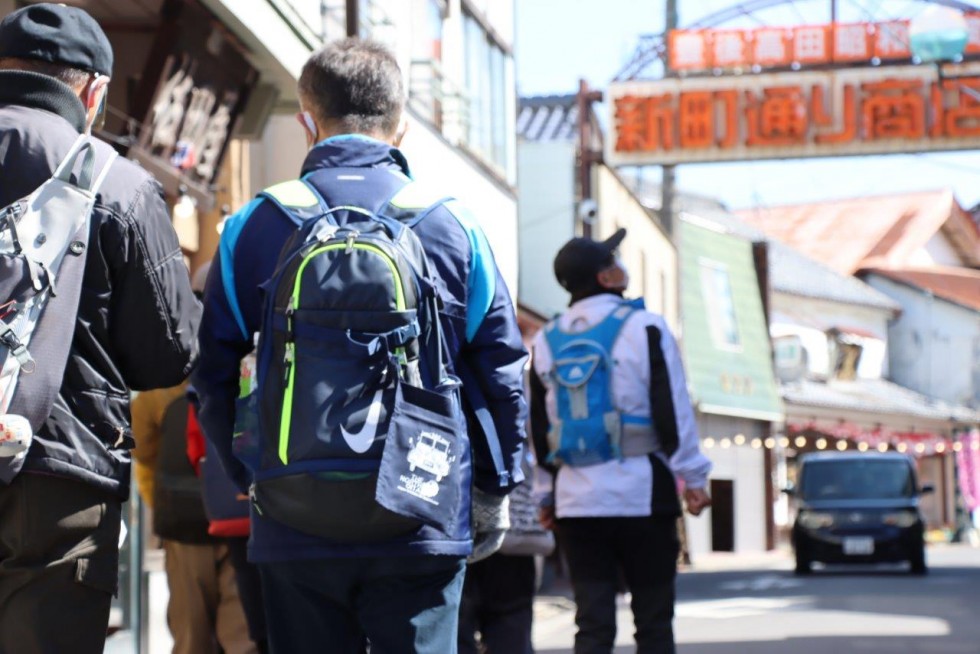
401 605
642 550
498 602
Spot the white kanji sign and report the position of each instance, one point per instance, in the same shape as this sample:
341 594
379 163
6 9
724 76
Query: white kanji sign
688 51
851 42
811 44
729 49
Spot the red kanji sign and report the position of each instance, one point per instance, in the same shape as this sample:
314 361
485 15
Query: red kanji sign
815 113
803 45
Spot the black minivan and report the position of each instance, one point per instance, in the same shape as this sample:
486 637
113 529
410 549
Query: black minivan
858 508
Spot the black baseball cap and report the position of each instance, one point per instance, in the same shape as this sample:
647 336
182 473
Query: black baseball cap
581 259
56 34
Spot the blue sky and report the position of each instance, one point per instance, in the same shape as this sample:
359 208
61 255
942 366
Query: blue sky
559 41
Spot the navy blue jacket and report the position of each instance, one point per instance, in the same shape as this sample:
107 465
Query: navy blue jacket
478 320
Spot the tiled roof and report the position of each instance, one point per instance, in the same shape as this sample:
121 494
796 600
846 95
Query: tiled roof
874 396
879 231
959 285
792 272
548 118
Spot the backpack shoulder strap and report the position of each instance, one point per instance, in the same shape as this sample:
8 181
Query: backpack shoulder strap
36 393
298 199
412 203
607 331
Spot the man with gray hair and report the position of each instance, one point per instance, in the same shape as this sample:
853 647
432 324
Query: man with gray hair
338 564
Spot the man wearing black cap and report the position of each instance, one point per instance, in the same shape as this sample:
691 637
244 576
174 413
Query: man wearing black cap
612 421
60 506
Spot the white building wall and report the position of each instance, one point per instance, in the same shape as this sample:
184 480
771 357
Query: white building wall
647 253
278 155
436 163
546 205
937 251
934 345
811 318
500 15
744 466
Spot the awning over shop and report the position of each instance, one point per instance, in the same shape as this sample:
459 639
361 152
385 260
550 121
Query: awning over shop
726 339
874 414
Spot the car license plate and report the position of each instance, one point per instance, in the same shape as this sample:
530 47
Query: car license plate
858 546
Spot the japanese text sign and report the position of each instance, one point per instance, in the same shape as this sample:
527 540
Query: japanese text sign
784 115
700 50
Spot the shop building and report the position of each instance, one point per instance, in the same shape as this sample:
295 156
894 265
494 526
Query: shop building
833 351
730 375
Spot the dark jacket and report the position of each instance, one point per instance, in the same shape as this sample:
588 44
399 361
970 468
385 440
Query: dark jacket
478 320
137 315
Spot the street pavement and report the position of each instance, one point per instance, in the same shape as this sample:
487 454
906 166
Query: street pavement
753 604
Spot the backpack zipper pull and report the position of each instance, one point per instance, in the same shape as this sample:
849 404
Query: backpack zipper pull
350 241
290 354
288 359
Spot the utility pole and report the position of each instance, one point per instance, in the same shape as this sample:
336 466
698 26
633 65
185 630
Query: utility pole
668 177
353 17
586 155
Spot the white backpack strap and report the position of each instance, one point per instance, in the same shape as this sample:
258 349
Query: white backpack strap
81 147
97 184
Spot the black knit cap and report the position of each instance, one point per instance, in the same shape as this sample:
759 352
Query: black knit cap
581 259
56 34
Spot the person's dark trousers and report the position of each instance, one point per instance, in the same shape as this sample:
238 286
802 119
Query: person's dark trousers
59 565
498 602
645 551
249 591
402 605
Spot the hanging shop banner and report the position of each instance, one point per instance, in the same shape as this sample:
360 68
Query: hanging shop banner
709 50
852 111
192 104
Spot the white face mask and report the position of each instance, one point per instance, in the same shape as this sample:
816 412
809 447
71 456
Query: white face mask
620 284
626 274
307 119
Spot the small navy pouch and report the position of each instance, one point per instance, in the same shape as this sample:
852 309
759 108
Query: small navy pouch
420 467
245 439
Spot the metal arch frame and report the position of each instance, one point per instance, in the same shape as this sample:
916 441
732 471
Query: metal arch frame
653 46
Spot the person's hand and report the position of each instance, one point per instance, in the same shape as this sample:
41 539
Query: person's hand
491 519
546 516
697 500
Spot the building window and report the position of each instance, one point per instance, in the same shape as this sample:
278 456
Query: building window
431 95
487 73
716 286
435 14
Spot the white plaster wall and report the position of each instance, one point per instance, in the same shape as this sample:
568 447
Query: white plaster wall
936 252
646 252
934 345
278 155
500 15
435 162
811 317
745 467
546 206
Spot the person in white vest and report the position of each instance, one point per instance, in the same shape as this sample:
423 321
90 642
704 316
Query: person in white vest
611 419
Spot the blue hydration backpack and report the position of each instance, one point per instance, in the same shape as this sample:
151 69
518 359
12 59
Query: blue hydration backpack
589 428
360 434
